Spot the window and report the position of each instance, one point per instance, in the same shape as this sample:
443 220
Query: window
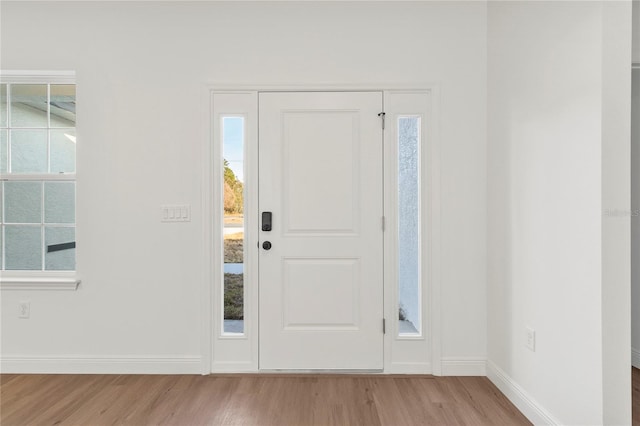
233 209
409 273
37 166
233 230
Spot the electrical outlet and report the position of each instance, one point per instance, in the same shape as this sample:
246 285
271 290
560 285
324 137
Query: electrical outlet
24 309
531 339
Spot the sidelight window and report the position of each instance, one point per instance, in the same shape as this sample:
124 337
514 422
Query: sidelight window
409 235
233 141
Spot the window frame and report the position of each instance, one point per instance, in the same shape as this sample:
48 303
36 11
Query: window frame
38 279
413 353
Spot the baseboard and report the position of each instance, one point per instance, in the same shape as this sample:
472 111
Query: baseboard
635 357
409 368
463 366
233 367
71 364
536 414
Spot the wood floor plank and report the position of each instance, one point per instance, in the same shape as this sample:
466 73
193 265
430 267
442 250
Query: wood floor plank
490 404
264 400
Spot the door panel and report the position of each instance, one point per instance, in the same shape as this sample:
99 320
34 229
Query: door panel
320 162
310 285
311 143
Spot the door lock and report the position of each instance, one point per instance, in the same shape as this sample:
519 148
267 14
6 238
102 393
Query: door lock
266 221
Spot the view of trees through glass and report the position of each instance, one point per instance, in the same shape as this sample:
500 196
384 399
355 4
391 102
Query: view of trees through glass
233 153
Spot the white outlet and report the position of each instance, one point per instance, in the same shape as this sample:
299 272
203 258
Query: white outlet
531 339
24 309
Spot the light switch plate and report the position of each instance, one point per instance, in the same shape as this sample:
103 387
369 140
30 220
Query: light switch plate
175 213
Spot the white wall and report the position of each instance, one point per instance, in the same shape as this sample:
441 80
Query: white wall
635 194
616 194
636 31
551 266
140 70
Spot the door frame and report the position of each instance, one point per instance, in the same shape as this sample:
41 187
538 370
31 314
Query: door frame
211 219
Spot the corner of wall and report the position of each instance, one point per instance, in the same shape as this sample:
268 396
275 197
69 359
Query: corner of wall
616 194
532 410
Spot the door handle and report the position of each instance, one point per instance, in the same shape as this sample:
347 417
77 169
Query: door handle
266 221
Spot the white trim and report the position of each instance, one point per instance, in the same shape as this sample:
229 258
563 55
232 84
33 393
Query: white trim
232 367
414 350
635 357
216 1
435 294
10 177
34 282
76 364
37 77
226 351
408 368
206 299
42 279
464 366
532 410
432 318
222 87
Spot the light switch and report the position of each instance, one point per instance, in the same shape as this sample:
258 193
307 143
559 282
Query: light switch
176 213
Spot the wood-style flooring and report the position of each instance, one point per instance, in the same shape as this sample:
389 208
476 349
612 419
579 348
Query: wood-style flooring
253 400
635 380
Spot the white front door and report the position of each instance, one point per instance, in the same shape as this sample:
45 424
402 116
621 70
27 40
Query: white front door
321 280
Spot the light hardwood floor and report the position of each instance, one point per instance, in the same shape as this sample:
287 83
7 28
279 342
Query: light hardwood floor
635 379
253 400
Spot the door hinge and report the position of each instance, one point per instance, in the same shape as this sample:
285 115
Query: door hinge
381 115
384 326
384 223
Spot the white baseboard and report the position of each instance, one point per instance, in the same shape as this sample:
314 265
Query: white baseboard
73 364
234 367
536 414
635 357
409 368
463 366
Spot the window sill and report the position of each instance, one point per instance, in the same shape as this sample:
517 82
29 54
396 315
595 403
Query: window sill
58 282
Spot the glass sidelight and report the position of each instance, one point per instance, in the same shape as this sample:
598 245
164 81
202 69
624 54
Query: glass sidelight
409 270
233 143
234 254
